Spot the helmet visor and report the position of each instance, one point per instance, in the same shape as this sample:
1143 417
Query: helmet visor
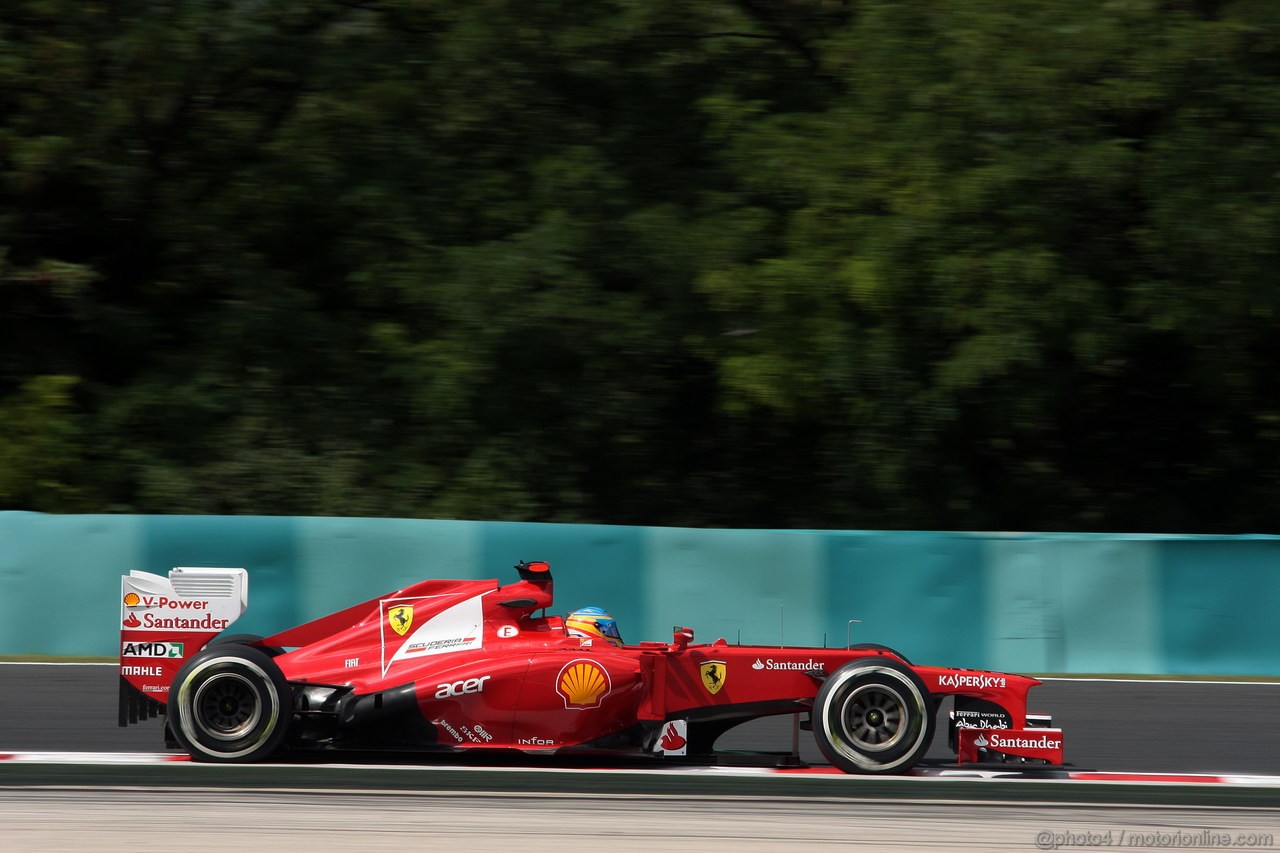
609 627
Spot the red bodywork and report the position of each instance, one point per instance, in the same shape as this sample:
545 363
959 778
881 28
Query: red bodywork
487 669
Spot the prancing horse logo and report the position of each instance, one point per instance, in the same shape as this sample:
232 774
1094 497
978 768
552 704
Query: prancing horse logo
713 675
400 617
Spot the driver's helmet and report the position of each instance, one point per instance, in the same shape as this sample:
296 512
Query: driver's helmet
593 623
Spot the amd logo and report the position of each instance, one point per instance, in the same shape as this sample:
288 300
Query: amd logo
461 688
152 650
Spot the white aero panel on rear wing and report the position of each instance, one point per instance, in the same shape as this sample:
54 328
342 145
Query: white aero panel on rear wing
164 621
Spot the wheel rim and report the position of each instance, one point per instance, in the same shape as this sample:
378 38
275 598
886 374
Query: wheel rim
219 731
875 717
227 706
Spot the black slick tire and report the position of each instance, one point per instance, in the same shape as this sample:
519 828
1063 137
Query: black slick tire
254 640
876 647
873 716
230 704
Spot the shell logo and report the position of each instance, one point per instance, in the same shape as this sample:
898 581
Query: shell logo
582 684
132 600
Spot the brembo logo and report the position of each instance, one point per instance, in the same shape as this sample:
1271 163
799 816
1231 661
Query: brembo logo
444 724
461 688
799 666
982 682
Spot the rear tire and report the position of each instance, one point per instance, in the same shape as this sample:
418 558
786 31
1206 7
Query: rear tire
253 640
230 703
874 716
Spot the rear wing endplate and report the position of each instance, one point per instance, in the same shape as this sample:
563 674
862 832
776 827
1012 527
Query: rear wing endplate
166 620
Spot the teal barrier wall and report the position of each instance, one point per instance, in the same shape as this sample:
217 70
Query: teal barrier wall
1024 602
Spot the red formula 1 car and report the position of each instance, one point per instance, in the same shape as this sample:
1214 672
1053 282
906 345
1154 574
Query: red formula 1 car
454 665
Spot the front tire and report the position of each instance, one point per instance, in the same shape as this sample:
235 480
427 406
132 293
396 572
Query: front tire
228 704
873 716
876 647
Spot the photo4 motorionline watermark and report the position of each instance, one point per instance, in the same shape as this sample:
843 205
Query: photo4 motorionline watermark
1171 839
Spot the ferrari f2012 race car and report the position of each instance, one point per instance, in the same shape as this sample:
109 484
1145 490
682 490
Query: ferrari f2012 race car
458 665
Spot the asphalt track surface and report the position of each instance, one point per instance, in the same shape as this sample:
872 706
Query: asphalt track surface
222 821
1124 726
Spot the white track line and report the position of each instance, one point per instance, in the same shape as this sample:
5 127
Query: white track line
923 776
57 663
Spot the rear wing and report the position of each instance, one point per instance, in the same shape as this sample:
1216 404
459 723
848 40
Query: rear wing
165 621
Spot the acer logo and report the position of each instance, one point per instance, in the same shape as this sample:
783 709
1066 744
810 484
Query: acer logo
461 688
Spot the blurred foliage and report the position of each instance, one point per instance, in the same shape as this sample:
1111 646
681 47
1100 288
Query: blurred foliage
973 265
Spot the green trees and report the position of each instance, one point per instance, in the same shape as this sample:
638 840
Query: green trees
879 264
987 245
